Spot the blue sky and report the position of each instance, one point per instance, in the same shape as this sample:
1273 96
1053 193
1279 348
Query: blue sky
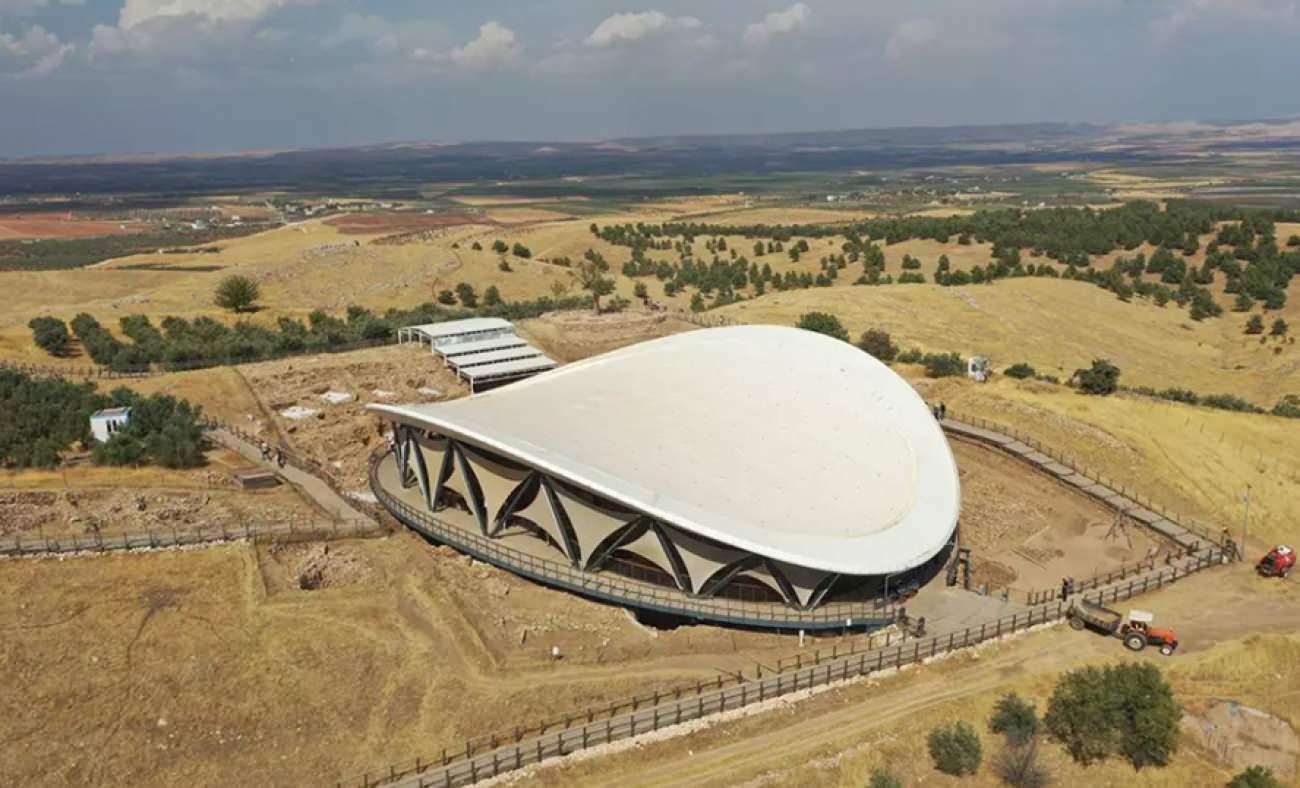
91 76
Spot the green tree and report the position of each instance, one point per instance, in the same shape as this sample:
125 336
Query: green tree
50 334
883 778
519 250
492 296
1255 777
1255 325
1101 379
697 302
592 279
446 297
500 247
1242 303
823 323
1020 371
955 749
1014 718
1125 710
1279 328
465 293
237 293
879 344
639 290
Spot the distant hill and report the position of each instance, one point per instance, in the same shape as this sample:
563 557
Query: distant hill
397 167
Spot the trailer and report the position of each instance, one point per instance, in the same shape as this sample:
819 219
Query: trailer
1135 629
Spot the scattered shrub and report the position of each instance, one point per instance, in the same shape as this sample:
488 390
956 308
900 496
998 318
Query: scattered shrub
879 344
883 778
955 748
492 296
942 365
1101 379
1018 765
519 250
500 247
1255 776
1255 325
823 323
1020 371
1014 718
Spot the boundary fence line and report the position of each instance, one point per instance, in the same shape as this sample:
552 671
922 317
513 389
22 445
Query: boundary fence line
1196 529
510 751
475 763
154 538
836 616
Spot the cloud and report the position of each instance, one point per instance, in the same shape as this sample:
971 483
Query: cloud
177 26
1180 15
495 47
630 28
911 36
34 53
25 7
775 24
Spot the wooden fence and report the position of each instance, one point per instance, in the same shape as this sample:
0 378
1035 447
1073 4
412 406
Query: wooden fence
152 538
485 758
1201 531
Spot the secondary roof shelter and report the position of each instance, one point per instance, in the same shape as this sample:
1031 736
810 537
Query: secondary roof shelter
482 350
797 465
453 332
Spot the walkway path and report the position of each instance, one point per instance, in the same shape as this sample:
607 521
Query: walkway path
314 487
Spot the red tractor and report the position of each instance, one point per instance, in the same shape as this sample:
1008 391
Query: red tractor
1278 562
1136 632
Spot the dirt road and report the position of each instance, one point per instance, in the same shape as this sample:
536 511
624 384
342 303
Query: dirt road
779 742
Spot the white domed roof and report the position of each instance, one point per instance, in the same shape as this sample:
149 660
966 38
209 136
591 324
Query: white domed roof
780 441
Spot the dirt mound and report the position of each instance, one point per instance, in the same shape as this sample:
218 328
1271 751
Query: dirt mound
322 567
574 335
1241 736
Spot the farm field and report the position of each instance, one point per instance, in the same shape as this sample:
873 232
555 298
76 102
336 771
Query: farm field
28 226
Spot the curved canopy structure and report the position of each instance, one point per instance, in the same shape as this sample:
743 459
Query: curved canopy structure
795 452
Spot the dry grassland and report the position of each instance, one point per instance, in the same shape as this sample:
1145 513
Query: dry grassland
1197 461
1056 326
211 667
838 737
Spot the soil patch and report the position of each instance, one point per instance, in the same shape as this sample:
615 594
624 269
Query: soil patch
1241 736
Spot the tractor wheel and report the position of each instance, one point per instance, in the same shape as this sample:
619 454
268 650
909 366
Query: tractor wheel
1076 622
1135 642
1167 649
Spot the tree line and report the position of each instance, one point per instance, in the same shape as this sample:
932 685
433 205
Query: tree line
1245 252
177 343
41 418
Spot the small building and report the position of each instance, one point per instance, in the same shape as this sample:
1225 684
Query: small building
105 423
